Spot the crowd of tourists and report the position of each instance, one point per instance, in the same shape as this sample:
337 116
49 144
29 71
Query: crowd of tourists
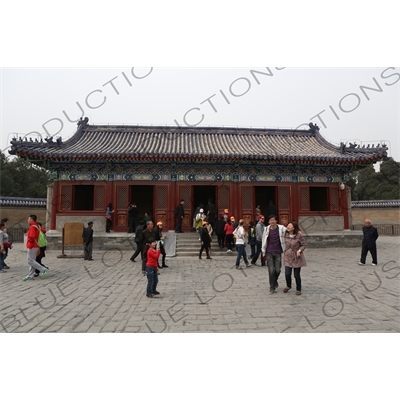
271 244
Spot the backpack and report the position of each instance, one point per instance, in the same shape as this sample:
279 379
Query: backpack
42 240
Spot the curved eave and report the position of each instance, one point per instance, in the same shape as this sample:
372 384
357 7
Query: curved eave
66 158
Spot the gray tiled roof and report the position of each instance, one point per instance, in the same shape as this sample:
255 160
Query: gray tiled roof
147 143
22 202
375 204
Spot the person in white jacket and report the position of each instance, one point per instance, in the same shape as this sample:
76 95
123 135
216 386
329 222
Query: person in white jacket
273 245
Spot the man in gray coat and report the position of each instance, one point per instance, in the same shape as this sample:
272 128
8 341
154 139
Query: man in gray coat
260 227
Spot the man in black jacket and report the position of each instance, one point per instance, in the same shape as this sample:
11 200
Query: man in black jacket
138 238
132 217
87 237
369 243
179 213
148 236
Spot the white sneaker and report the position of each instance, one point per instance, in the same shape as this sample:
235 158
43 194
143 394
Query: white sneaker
373 264
360 263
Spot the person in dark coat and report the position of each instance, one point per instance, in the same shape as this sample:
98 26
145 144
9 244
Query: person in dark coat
220 232
211 213
179 213
160 238
205 241
132 217
369 243
138 237
148 236
87 237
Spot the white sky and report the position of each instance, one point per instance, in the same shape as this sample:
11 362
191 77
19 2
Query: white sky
288 98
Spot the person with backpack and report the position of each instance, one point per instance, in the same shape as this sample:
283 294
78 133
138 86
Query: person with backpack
138 236
33 244
87 237
42 242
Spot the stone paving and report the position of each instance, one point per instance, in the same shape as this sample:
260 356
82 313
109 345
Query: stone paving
108 295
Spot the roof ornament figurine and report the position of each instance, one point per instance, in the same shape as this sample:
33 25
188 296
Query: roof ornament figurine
352 145
49 140
83 121
314 128
59 141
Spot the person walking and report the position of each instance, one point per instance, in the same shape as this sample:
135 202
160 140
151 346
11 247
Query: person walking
200 217
219 230
33 247
152 255
87 237
229 228
196 211
148 236
132 217
109 213
180 214
370 236
2 248
240 244
6 243
293 257
260 227
160 239
252 239
205 241
138 236
211 213
41 253
273 245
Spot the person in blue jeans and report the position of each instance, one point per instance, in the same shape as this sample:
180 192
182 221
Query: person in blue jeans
152 269
240 245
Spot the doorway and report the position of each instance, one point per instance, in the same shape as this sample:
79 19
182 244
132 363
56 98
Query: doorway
201 195
142 196
263 195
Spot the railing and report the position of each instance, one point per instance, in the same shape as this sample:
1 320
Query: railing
16 235
383 229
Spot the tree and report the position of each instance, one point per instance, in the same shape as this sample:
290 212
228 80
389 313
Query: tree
367 184
20 178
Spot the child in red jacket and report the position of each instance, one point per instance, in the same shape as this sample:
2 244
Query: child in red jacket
151 269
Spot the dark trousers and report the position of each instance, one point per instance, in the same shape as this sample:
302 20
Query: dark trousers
221 239
163 254
131 224
108 225
205 247
364 251
229 242
258 252
241 253
178 227
137 252
87 249
274 269
288 276
152 279
41 254
253 250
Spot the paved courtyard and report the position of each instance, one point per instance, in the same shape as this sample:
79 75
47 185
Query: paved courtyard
108 295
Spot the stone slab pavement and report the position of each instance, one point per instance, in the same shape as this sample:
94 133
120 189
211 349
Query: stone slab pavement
108 295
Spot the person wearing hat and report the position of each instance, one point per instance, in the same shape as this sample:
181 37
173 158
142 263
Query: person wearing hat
259 237
205 241
199 222
87 236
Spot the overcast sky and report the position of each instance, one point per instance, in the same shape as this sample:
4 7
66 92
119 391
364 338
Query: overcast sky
34 100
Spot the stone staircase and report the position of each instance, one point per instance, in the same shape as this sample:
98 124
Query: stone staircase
188 245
